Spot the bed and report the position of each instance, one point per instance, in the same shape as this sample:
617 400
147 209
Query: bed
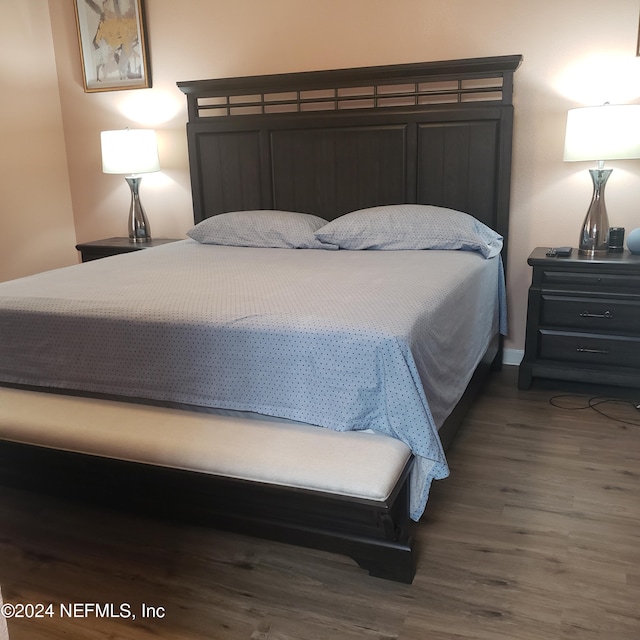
284 371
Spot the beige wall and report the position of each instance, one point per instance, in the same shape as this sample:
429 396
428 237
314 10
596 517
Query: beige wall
575 53
36 218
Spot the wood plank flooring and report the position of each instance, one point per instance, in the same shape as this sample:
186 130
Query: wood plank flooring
535 536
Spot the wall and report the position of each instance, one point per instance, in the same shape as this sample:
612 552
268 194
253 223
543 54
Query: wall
575 53
36 220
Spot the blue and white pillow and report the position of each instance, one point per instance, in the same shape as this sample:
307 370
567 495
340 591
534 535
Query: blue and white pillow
261 228
411 226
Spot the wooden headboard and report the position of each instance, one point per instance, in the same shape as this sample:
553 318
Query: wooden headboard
329 142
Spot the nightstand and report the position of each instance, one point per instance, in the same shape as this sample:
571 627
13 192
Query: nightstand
583 320
113 246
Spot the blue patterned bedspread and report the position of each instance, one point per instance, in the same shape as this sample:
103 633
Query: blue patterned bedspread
382 340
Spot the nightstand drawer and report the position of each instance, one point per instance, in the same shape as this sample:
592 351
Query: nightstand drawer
586 348
592 281
590 314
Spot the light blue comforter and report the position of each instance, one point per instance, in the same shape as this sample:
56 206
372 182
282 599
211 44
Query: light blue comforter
341 339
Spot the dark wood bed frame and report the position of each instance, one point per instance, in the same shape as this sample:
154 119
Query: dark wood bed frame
325 143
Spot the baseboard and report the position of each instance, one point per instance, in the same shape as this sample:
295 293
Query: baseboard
512 356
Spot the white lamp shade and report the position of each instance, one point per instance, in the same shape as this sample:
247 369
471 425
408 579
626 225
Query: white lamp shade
129 151
608 132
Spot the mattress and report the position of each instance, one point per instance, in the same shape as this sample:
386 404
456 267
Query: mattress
347 340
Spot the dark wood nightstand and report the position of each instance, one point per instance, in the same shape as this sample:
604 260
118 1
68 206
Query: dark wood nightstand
583 320
113 246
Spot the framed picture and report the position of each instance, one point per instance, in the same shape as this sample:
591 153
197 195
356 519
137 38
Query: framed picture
113 45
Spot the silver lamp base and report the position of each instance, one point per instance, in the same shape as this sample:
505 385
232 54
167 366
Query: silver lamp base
139 230
594 237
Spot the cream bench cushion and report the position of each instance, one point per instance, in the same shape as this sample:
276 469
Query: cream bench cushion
355 464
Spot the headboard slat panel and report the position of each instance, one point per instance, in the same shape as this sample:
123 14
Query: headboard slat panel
324 170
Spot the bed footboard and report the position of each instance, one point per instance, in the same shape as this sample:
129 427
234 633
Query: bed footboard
231 472
376 536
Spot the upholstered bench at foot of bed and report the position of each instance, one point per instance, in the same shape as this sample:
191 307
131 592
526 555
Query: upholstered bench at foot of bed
345 492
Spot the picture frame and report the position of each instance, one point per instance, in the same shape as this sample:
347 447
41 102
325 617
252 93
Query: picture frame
113 44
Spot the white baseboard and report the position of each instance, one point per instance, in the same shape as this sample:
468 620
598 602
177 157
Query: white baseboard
512 356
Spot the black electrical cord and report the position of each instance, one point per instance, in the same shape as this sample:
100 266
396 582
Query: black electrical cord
594 403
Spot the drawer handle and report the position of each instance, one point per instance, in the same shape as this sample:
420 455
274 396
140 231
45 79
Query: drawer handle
603 352
606 314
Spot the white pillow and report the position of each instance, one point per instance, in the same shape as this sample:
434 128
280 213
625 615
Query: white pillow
411 226
261 228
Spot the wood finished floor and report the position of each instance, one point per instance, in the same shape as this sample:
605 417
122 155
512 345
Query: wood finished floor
535 536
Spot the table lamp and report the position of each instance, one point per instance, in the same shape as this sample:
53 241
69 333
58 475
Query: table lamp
132 152
607 132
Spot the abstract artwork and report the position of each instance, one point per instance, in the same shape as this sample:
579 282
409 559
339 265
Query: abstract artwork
113 46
